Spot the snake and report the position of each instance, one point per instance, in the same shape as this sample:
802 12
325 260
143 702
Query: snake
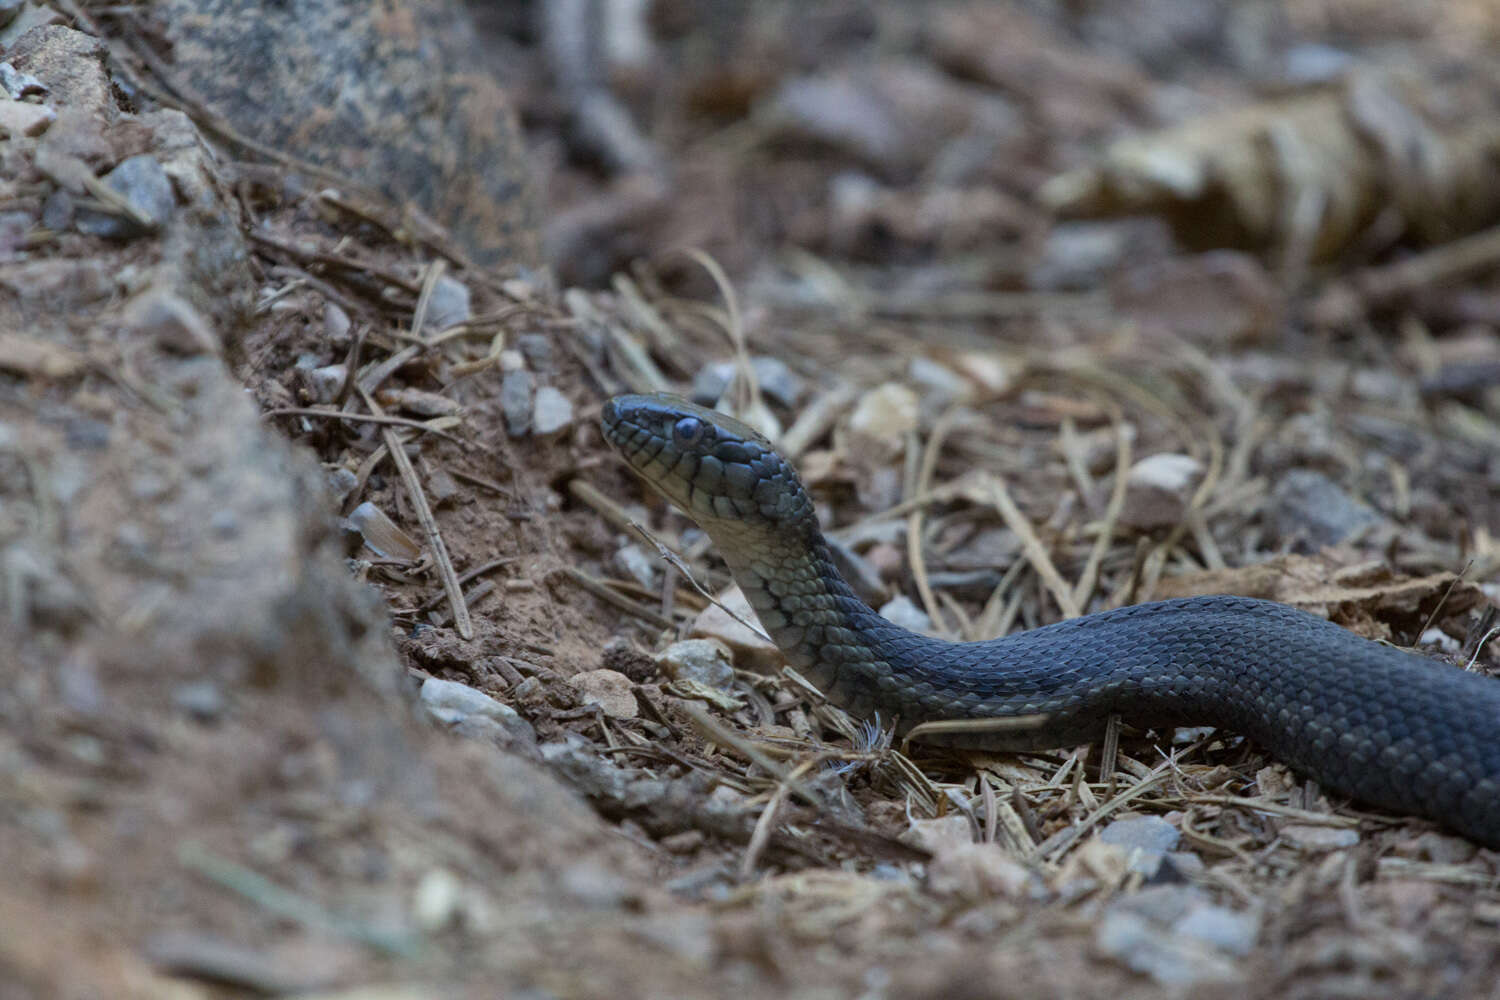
1363 719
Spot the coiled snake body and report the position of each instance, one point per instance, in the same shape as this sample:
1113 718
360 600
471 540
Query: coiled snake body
1365 720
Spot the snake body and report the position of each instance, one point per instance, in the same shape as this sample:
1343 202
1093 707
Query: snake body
1365 720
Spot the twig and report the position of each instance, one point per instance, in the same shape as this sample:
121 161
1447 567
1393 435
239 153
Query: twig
367 418
1036 553
461 621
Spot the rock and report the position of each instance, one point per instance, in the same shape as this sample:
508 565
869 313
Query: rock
1158 490
1079 255
437 902
451 702
775 379
608 689
449 305
1319 838
941 835
515 402
336 323
1313 511
70 65
752 650
977 872
1148 833
551 412
885 413
58 211
706 661
8 11
326 382
1227 930
941 385
902 611
1146 841
174 323
1175 935
340 482
634 560
536 348
203 700
18 118
397 95
143 184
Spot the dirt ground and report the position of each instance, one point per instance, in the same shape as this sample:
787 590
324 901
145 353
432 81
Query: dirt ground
1058 307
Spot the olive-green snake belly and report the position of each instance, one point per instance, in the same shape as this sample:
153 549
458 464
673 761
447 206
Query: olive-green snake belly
1365 720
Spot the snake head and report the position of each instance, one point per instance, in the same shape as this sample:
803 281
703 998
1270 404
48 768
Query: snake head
714 468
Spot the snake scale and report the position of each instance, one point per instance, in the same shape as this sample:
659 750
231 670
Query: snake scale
1365 720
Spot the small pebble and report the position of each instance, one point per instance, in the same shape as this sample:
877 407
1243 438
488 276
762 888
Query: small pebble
633 560
610 690
902 611
22 118
451 702
1158 490
515 402
449 305
1308 507
142 182
885 413
203 700
326 382
1319 838
706 661
752 651
552 411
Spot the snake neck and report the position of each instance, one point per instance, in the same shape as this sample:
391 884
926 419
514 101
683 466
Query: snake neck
805 604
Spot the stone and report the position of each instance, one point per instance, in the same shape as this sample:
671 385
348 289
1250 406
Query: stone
1158 490
1146 841
752 649
940 835
885 413
1170 961
326 382
1312 838
772 375
1228 930
1079 255
978 871
18 118
515 402
551 411
17 84
610 690
451 702
902 611
449 305
706 661
1148 833
398 95
203 700
170 319
143 184
1311 510
634 560
941 385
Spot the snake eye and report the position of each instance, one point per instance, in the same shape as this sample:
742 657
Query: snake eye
688 431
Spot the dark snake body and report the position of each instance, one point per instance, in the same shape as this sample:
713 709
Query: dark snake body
1365 720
